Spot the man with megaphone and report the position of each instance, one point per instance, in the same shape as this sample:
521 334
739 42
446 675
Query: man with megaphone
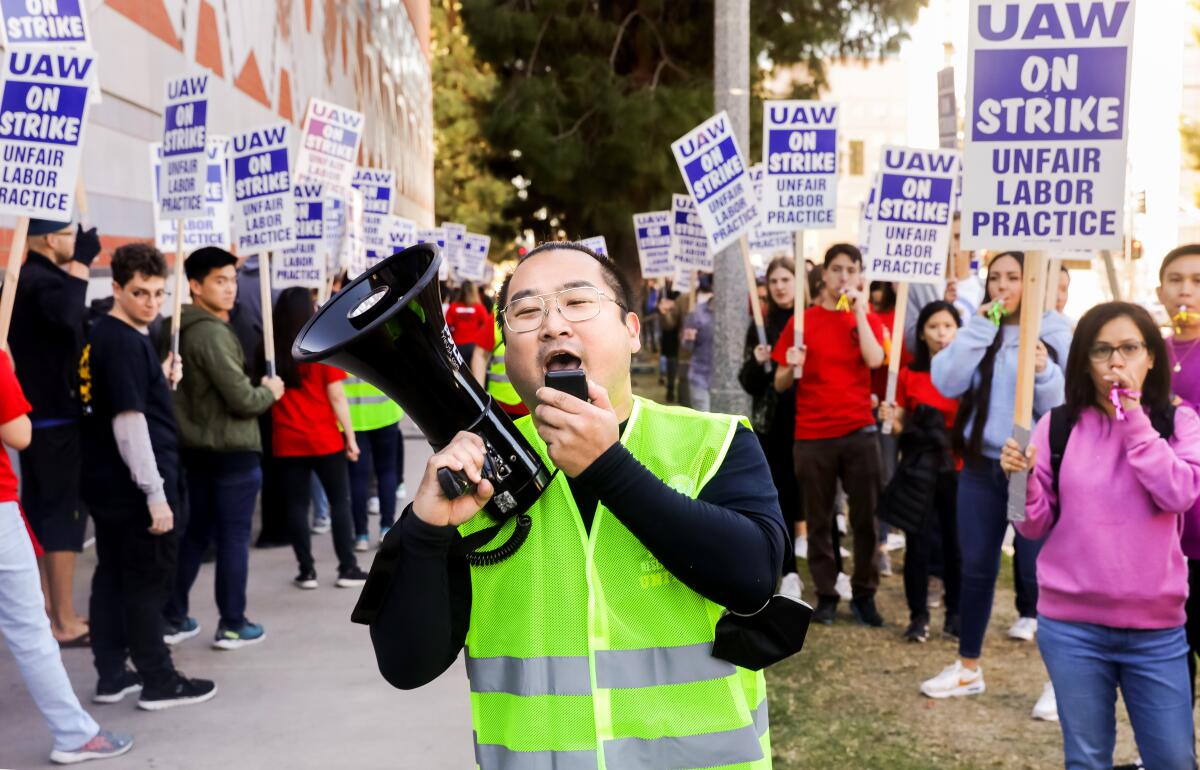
604 640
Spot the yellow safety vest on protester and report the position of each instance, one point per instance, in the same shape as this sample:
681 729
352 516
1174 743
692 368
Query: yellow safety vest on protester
370 409
583 651
497 378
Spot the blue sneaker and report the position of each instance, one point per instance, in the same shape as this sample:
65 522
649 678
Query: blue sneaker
105 745
362 543
383 533
174 634
231 639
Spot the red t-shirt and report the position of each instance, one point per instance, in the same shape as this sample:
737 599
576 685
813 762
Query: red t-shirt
302 422
12 406
915 388
469 324
833 398
879 377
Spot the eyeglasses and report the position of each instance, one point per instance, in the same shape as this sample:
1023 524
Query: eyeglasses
1129 351
579 303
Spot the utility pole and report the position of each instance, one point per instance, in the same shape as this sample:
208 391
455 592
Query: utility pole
731 316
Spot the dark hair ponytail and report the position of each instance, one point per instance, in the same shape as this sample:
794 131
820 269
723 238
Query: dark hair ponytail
977 401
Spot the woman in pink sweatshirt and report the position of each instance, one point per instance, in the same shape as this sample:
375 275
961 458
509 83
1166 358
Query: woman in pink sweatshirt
1112 578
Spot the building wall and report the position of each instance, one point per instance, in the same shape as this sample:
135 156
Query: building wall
1189 192
268 57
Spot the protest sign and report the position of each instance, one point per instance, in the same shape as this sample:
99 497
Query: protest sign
474 259
1047 124
867 216
329 149
213 228
43 113
182 192
264 213
910 233
597 244
652 233
46 22
947 110
766 240
305 263
799 165
689 244
352 252
402 233
715 174
376 188
452 255
436 236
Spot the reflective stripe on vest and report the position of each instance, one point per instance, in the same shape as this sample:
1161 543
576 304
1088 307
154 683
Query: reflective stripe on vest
583 651
704 750
370 409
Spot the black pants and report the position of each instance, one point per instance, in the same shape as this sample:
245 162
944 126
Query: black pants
331 470
778 449
274 514
919 547
134 574
1193 620
1026 604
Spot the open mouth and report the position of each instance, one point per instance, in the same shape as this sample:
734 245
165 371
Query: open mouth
561 361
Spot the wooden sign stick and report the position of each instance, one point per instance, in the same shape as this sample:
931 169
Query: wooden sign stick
752 288
897 348
268 320
1032 296
177 300
12 274
1053 269
801 301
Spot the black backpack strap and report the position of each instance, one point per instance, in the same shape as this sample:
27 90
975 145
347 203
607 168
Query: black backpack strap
1164 422
1060 432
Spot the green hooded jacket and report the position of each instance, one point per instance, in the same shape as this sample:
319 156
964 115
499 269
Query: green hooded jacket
216 404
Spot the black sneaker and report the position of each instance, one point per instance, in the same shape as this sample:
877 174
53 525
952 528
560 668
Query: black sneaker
307 579
865 613
918 630
115 689
178 691
351 578
826 609
953 626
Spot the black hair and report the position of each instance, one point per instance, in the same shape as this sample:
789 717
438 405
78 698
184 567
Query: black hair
616 280
1187 250
889 295
1081 388
922 358
134 258
787 263
292 310
838 249
203 261
977 401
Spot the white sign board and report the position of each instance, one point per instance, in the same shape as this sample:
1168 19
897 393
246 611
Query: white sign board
689 245
185 148
910 233
402 233
437 237
715 174
652 232
353 251
452 254
305 263
43 113
213 228
475 250
597 244
867 215
764 241
264 209
1047 124
329 148
800 165
376 186
45 22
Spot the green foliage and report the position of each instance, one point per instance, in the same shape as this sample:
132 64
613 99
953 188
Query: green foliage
463 87
592 93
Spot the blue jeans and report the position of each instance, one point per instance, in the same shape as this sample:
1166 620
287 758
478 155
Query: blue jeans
26 629
320 503
382 451
1087 663
982 521
221 508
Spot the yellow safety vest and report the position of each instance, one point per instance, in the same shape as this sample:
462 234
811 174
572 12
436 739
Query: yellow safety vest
583 651
497 378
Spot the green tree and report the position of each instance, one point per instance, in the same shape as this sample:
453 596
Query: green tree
592 93
466 190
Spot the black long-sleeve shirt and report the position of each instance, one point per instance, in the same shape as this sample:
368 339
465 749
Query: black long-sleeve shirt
727 545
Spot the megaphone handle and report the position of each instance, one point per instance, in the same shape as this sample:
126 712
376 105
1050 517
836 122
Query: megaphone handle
453 483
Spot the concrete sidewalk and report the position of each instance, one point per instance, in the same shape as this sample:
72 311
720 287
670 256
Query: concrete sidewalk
309 696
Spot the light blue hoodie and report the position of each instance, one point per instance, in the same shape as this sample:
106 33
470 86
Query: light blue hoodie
955 370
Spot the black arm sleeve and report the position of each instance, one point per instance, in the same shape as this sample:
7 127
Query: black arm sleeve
421 624
727 545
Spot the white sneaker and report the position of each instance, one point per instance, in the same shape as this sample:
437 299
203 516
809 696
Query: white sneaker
845 554
895 541
1046 708
954 682
373 506
843 586
1023 630
841 523
791 586
802 548
401 492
